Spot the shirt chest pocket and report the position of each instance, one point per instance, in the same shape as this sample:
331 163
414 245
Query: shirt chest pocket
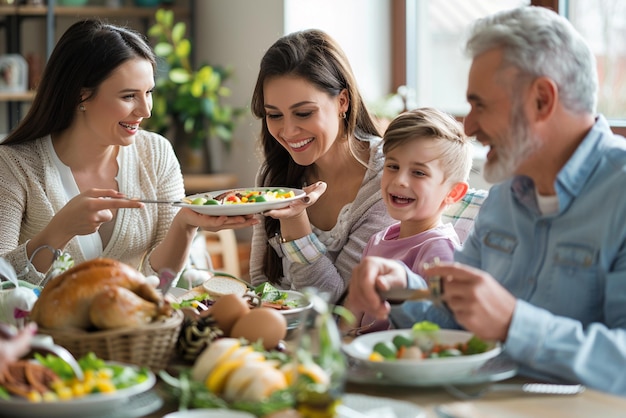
497 254
576 283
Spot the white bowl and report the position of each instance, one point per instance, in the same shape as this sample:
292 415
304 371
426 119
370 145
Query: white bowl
298 313
431 370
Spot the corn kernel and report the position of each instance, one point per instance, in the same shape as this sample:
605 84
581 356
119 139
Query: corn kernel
50 397
34 396
78 389
64 393
376 357
105 386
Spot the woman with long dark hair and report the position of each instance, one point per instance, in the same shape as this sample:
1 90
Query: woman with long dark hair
67 169
316 134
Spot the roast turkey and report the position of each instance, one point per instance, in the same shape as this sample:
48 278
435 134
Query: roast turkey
98 294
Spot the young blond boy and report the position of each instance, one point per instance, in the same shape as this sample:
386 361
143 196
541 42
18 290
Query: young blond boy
427 164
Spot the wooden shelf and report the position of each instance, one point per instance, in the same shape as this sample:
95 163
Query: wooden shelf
60 11
25 96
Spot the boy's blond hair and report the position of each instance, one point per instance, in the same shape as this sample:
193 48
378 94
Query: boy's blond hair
432 124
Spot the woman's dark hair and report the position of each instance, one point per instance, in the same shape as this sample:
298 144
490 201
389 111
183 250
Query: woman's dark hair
316 57
84 57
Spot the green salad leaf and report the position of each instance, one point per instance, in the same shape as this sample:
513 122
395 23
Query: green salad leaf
476 346
269 293
425 326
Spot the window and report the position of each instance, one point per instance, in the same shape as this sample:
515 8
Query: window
437 69
429 48
603 24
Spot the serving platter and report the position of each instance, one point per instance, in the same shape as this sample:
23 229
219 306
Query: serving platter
239 209
93 405
427 372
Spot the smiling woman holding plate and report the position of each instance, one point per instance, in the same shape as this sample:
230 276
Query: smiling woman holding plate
316 135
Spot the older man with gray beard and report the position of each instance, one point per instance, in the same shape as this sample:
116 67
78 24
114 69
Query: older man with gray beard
544 270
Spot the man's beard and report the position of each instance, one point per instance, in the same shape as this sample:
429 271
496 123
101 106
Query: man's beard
513 148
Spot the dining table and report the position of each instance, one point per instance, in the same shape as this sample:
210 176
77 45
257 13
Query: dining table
589 403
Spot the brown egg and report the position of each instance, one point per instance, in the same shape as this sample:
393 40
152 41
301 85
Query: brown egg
227 309
261 323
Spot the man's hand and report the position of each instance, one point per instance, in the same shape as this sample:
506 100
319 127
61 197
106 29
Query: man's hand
479 303
371 275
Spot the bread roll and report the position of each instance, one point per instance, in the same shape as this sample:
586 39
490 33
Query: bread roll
218 286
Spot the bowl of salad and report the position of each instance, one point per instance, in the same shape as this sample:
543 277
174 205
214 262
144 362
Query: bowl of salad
290 303
424 353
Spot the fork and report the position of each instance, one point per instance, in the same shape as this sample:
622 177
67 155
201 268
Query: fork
476 391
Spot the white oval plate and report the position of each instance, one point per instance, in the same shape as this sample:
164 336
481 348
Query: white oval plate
239 209
90 405
437 370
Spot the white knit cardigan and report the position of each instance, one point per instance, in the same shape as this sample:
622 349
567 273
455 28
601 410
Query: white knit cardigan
32 192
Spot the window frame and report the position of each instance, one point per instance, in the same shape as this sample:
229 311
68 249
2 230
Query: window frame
398 46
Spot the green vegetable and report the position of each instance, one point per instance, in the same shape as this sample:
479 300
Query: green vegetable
258 199
4 394
475 346
402 341
189 303
386 349
123 376
269 293
58 366
450 352
198 201
212 202
425 326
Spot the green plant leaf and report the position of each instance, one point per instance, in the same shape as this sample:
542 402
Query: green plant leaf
163 49
183 48
184 96
168 18
178 32
179 75
155 31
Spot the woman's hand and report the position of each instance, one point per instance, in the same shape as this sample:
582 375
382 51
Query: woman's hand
294 220
215 223
297 207
83 215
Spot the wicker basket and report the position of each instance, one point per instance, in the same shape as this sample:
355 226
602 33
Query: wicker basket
150 346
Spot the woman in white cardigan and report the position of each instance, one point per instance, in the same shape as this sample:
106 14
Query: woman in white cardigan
68 169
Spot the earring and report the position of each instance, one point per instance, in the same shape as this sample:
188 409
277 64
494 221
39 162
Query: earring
342 115
81 108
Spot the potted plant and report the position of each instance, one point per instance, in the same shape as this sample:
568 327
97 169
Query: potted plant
187 104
